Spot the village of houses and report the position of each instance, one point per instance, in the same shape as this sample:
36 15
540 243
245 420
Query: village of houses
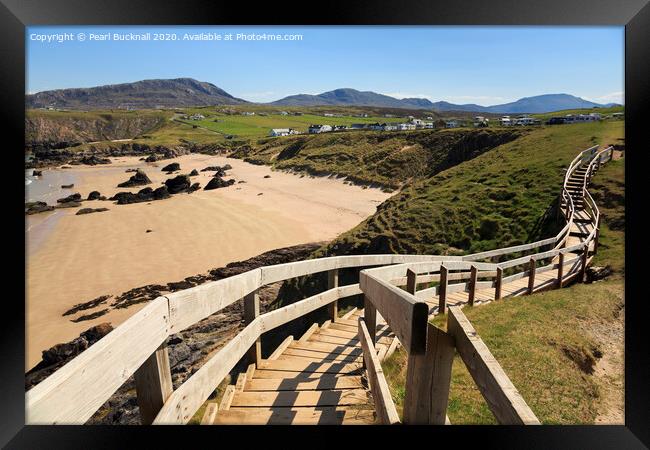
411 123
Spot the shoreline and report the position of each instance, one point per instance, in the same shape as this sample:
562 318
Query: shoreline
83 257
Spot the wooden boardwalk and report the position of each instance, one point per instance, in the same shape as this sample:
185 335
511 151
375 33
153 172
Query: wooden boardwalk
320 379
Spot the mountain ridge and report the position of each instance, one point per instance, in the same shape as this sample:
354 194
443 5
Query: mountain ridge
182 92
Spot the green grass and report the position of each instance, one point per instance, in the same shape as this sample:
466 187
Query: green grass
545 342
387 159
493 200
255 127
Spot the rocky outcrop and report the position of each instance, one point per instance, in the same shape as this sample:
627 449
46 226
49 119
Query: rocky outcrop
194 173
218 182
94 195
139 179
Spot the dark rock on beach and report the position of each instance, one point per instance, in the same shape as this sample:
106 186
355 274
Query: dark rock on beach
93 160
151 158
88 305
70 198
94 195
140 178
180 183
90 210
195 187
71 204
173 167
37 207
218 182
37 173
67 186
194 173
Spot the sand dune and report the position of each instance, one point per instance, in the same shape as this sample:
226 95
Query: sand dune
73 259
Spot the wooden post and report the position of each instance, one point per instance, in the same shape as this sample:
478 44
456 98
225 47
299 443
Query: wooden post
472 285
428 377
531 275
497 283
370 317
597 235
153 384
560 270
442 290
251 311
333 282
411 281
583 268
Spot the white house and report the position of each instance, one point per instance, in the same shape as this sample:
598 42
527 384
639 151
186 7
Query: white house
314 129
452 124
280 132
389 127
480 121
505 121
284 113
427 125
247 113
197 117
405 126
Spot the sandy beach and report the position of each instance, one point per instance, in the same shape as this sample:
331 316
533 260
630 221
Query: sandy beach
72 259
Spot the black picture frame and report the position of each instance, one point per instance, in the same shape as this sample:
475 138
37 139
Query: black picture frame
633 14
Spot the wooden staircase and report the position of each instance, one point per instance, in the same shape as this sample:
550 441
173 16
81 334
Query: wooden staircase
318 380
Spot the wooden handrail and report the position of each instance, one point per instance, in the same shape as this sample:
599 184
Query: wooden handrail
384 405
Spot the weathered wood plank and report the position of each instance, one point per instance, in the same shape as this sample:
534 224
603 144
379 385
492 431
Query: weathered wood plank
333 282
384 405
72 394
405 315
427 380
320 384
153 384
210 414
502 397
227 398
296 416
309 366
330 349
300 398
252 312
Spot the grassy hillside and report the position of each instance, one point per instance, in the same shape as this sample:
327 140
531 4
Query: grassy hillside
496 199
548 343
385 159
602 111
77 126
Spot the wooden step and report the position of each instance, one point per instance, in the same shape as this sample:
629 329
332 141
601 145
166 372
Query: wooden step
331 349
296 416
325 382
309 366
300 353
300 398
290 375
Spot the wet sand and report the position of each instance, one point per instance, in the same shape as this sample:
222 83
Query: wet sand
73 259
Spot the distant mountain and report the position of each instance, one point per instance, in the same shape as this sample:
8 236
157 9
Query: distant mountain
352 97
140 94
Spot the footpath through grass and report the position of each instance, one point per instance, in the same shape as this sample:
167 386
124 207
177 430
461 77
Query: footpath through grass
547 343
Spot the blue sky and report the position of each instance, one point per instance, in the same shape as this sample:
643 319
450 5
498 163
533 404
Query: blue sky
484 65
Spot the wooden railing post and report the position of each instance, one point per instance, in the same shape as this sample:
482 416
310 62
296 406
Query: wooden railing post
497 283
472 285
583 265
560 270
411 281
532 266
370 317
333 282
153 384
428 377
597 235
442 290
251 311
